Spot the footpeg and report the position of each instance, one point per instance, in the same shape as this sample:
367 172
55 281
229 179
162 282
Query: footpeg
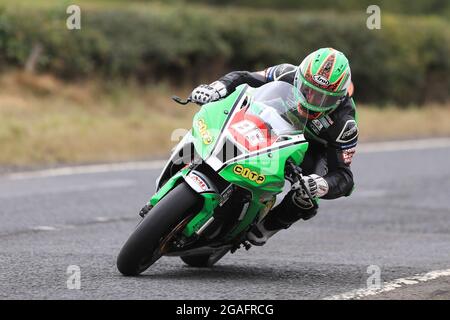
244 244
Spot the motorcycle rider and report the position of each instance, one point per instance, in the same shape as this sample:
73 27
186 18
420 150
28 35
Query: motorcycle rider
323 83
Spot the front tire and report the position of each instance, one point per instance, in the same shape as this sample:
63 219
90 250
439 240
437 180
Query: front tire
142 249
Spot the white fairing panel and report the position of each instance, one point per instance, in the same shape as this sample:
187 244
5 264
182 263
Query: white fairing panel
174 157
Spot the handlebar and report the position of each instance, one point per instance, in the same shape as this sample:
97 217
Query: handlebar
177 99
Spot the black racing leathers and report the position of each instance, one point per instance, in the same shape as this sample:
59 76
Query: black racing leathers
332 139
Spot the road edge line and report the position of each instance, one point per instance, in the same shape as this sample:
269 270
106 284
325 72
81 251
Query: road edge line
390 285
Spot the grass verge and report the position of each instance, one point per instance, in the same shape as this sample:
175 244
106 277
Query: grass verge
44 121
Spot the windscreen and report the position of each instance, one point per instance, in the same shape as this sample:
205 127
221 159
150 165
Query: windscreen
275 104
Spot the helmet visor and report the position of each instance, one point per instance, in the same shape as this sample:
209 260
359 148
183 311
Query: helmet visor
317 99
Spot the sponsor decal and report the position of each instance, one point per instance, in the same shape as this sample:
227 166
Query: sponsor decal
199 181
278 72
282 68
226 194
349 132
253 136
317 124
330 121
321 80
244 126
325 123
309 125
249 174
348 155
204 133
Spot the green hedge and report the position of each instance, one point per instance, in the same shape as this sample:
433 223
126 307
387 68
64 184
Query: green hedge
417 7
404 62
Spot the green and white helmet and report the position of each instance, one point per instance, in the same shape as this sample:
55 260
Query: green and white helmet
322 81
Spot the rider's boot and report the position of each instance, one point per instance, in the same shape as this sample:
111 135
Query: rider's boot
262 231
291 209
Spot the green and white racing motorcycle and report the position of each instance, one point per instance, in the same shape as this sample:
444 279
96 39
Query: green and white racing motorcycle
222 178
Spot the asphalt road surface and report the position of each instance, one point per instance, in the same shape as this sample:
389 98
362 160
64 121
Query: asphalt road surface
398 220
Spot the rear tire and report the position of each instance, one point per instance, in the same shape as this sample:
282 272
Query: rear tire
204 260
141 250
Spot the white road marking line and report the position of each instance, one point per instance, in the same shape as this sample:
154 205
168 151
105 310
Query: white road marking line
71 226
68 171
391 285
420 144
102 219
104 185
43 228
369 147
375 193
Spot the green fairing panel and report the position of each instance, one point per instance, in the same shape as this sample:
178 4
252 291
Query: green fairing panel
207 123
253 210
211 201
264 173
169 185
272 171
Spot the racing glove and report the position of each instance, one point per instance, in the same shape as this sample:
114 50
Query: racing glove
207 93
317 187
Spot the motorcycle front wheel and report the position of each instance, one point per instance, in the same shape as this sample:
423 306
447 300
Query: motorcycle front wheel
142 249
